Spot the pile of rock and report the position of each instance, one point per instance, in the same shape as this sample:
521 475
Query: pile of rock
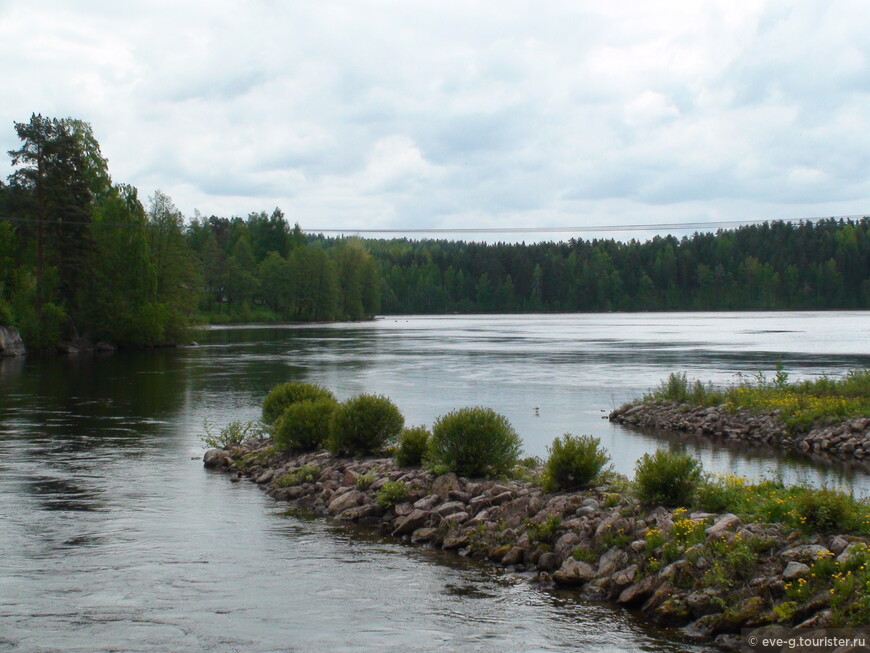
595 541
847 440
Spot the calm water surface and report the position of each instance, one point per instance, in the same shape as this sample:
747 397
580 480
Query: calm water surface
113 538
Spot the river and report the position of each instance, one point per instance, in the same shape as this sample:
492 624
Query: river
113 536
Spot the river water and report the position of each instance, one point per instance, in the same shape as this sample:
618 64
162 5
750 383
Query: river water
114 538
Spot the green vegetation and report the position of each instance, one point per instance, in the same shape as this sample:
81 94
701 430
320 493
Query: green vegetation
668 478
574 462
821 264
543 532
474 442
363 425
304 474
412 447
304 426
811 510
800 405
232 434
284 395
391 493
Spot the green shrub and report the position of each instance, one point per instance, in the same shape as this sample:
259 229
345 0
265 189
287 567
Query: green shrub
391 493
305 474
544 531
827 511
574 462
365 481
304 426
232 434
412 447
667 478
287 394
363 425
474 442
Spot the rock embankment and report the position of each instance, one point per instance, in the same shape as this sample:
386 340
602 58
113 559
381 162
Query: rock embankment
708 573
848 440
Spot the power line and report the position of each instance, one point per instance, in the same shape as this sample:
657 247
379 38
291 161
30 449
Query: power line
664 226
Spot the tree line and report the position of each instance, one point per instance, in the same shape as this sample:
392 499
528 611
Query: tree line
83 257
823 264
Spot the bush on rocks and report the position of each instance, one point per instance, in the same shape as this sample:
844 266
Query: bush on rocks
574 462
412 447
668 478
363 425
287 394
827 511
474 441
304 426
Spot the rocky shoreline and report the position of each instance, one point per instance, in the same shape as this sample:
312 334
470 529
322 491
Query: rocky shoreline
845 441
679 569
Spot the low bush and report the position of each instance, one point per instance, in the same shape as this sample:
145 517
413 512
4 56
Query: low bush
304 426
305 474
232 434
474 442
363 425
574 462
668 478
827 511
287 394
412 447
391 493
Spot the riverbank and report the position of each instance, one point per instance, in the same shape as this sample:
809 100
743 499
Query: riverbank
844 441
708 573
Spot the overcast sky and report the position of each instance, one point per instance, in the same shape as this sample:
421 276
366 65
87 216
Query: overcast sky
411 114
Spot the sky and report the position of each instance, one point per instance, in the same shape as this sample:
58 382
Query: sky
397 114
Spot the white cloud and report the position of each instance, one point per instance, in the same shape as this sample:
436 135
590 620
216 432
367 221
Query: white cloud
516 113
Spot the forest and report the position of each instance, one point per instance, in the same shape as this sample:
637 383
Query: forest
82 257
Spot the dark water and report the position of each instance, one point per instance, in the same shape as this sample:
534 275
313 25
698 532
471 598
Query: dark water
113 538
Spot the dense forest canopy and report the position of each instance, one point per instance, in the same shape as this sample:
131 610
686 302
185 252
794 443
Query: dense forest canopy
81 256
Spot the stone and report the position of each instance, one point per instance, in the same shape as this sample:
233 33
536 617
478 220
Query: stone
514 556
850 550
345 501
428 502
444 483
265 477
566 544
410 523
626 576
403 509
636 594
613 559
450 508
795 570
11 343
455 539
726 522
574 572
703 602
704 627
423 534
455 518
548 561
805 553
217 458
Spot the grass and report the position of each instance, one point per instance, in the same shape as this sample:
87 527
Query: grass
800 405
811 510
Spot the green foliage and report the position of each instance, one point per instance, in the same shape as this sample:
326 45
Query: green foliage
583 554
474 441
363 425
543 531
574 462
799 405
364 481
287 394
232 434
391 493
304 425
668 478
827 511
412 447
305 474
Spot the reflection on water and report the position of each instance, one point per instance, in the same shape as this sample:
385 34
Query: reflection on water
114 538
